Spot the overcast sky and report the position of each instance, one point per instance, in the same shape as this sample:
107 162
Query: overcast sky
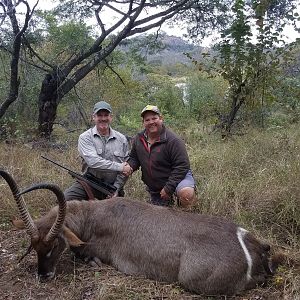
170 30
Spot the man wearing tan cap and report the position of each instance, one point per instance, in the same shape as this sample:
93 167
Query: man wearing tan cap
104 152
164 161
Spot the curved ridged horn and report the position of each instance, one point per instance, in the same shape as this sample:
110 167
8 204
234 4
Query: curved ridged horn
56 227
23 211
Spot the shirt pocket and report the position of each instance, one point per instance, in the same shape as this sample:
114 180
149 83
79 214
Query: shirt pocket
120 156
98 145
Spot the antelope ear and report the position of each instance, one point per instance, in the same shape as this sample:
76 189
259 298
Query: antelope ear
19 224
72 238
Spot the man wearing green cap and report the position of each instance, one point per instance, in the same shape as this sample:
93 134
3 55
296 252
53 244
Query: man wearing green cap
164 161
104 152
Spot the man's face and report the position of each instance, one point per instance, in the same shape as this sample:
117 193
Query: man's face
102 119
152 122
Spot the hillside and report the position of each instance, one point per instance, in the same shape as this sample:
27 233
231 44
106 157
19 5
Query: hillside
174 51
162 50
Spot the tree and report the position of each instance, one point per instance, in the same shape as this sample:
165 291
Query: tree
63 74
205 96
251 48
9 10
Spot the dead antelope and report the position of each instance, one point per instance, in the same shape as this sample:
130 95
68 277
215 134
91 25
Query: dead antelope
205 254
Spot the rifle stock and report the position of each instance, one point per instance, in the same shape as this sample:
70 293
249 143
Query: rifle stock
100 186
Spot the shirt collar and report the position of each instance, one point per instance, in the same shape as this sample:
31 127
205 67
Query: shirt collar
112 133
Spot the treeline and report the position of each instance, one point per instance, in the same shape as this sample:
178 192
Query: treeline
55 67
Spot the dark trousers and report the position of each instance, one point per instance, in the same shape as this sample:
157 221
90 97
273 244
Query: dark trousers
156 199
77 192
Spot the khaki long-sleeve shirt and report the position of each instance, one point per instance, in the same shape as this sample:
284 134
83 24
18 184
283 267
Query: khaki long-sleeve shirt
103 157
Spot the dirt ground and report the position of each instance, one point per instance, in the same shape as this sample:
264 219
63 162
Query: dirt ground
77 280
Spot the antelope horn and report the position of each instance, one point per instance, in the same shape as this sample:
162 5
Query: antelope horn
57 225
23 211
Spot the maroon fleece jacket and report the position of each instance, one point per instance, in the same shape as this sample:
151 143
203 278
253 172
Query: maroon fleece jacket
164 165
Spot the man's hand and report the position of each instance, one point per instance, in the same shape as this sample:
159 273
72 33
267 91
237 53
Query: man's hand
164 195
127 170
115 194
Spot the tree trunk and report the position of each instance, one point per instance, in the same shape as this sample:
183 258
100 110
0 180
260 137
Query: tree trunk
48 102
228 121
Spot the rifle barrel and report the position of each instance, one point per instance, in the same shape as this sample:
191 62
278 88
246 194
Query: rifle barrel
95 185
44 157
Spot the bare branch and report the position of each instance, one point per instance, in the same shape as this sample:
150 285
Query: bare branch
27 44
25 60
118 11
170 11
152 25
112 69
97 11
28 16
81 110
4 14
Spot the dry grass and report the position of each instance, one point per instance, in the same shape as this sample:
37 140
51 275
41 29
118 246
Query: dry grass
253 179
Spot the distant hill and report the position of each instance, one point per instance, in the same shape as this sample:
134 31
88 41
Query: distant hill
169 50
174 50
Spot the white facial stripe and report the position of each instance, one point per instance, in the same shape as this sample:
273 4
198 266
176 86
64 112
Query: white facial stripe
49 253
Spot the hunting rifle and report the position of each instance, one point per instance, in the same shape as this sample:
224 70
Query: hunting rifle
94 182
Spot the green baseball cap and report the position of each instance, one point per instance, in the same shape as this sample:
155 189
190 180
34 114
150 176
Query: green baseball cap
102 105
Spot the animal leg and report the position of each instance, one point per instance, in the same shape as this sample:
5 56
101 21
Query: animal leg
94 262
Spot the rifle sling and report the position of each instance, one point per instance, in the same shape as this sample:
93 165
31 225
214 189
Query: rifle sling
87 189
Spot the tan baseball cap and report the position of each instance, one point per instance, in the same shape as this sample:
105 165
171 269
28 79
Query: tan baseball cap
152 108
